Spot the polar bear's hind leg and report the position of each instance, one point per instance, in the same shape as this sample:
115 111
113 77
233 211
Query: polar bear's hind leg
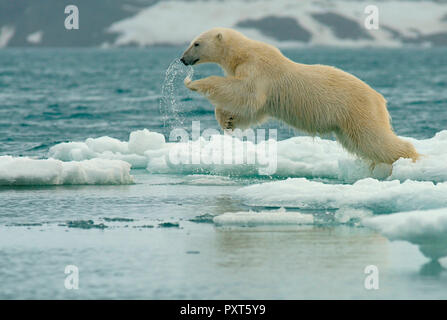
379 147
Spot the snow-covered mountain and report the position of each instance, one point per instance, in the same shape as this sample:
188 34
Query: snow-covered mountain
281 22
288 22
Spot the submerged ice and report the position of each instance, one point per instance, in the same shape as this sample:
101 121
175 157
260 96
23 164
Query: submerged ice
279 217
426 229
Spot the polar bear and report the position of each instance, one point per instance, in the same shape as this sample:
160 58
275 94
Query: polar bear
260 82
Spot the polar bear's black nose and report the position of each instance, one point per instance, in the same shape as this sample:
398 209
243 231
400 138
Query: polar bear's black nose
183 61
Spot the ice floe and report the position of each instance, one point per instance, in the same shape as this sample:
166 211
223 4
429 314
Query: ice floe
16 171
131 151
279 217
433 163
225 155
377 196
427 229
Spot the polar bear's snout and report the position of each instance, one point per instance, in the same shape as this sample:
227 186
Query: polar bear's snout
188 57
188 60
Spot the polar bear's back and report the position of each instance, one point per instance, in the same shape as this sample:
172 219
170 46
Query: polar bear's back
318 98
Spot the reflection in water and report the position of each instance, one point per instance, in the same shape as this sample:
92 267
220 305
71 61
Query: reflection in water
309 261
432 269
301 247
225 203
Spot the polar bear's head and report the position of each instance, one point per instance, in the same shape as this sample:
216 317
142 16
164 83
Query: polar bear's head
208 47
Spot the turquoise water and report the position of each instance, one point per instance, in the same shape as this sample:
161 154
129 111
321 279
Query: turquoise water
118 236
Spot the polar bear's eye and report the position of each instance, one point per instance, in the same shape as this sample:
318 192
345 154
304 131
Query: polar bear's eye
196 44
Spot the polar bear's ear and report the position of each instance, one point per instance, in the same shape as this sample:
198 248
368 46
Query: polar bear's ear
219 36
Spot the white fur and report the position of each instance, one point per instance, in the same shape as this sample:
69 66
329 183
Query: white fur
260 82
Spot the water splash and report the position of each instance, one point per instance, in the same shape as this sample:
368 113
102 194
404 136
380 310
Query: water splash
170 106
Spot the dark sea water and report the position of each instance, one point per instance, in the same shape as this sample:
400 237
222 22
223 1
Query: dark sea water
50 96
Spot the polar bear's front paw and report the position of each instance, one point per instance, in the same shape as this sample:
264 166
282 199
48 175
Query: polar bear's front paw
228 122
189 84
187 81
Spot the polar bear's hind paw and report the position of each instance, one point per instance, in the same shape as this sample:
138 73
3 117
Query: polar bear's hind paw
229 123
